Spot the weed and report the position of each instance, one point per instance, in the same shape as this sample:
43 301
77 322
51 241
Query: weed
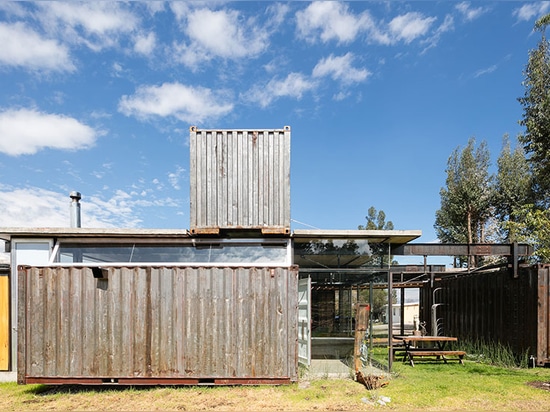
494 353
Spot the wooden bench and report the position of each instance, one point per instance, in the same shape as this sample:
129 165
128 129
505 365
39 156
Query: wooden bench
437 353
399 348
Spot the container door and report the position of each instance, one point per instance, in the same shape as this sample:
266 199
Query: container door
304 321
4 321
27 252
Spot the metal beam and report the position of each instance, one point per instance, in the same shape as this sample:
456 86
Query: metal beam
366 270
462 249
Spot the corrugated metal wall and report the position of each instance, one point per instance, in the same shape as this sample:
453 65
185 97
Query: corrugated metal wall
158 325
495 307
240 179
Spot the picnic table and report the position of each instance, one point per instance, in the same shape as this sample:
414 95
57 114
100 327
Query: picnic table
429 346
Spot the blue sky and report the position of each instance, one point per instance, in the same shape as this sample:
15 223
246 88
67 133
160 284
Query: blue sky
98 97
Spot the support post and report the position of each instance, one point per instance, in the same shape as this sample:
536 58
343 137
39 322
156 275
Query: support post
390 310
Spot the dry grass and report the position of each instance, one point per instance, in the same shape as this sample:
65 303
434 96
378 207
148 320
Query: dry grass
427 387
321 395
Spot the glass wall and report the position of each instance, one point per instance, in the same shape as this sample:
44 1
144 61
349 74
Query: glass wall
223 253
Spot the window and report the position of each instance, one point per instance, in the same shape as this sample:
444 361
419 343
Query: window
32 252
222 252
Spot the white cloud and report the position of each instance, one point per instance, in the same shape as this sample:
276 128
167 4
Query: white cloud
186 103
154 6
277 13
328 20
180 9
118 211
331 21
33 206
118 70
220 33
340 68
23 47
447 25
470 13
175 177
410 26
96 24
13 8
294 85
25 131
487 70
530 10
145 44
38 207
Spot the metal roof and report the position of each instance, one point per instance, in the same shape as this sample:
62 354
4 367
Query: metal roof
395 237
312 248
343 248
6 233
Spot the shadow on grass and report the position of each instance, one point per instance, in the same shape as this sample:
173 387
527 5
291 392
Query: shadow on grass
49 390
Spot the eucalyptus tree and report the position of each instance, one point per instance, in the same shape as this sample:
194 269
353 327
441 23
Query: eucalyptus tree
376 220
530 223
536 114
513 184
466 199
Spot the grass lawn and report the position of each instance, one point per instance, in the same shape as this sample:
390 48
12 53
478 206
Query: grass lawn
471 386
427 386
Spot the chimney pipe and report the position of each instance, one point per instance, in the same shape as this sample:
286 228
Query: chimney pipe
75 209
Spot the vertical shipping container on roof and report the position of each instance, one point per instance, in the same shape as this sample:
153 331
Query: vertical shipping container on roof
240 179
157 325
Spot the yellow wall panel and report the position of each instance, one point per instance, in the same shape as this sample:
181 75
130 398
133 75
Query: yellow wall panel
4 323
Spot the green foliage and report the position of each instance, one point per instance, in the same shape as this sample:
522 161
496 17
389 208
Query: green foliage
512 186
513 205
542 22
513 180
536 114
376 220
466 201
379 301
531 225
494 353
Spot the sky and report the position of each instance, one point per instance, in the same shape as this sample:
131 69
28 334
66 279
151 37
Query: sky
98 97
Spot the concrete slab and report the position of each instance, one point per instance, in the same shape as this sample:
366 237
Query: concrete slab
338 369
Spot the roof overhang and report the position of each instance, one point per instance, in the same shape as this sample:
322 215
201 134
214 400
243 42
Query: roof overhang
394 237
343 248
9 233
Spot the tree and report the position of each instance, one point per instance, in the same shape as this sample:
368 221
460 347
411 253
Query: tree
376 220
531 222
532 225
536 114
512 185
466 201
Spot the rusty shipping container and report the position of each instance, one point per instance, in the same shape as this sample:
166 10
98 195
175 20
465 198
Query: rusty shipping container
240 179
157 325
494 306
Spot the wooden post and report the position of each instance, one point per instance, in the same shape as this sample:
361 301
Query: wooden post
361 326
